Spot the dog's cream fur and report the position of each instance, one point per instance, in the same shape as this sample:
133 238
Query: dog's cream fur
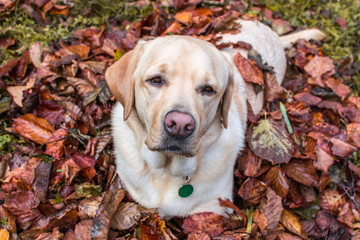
152 171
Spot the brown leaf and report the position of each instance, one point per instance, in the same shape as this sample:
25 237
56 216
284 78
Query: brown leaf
325 220
51 111
341 148
331 200
346 215
10 223
83 160
7 67
272 209
227 203
101 225
280 26
33 128
41 183
36 54
302 171
291 222
338 87
17 91
198 236
273 90
66 171
252 190
81 50
341 22
208 222
287 236
270 141
90 76
308 98
249 163
88 207
22 65
126 216
353 133
354 168
249 69
184 17
23 205
323 160
317 67
55 147
277 180
83 230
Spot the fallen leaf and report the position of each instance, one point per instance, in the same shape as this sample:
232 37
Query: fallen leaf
22 65
17 91
273 90
323 160
287 236
184 17
302 171
308 98
291 222
55 146
280 26
107 209
341 148
353 133
277 180
338 87
325 221
87 190
36 54
270 141
41 183
126 216
208 222
36 129
23 205
249 70
341 22
346 215
7 67
81 50
88 207
10 223
272 211
249 163
4 234
51 111
331 200
198 236
252 190
83 230
317 67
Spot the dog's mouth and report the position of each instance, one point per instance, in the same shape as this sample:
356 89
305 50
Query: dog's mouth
173 149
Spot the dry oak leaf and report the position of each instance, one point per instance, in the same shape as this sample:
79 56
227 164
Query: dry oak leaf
17 91
331 200
270 141
249 69
36 129
291 222
317 67
208 222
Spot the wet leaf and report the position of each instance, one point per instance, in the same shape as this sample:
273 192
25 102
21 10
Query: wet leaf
270 141
252 190
210 223
249 163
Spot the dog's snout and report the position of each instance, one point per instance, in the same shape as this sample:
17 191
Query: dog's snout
179 124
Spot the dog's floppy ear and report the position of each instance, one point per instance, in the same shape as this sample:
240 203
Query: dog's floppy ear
120 79
226 101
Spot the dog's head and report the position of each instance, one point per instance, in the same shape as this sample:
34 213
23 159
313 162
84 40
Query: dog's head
178 87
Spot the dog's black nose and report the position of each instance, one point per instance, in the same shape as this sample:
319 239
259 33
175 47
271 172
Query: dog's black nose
179 124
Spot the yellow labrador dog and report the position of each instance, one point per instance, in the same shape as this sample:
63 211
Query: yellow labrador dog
181 120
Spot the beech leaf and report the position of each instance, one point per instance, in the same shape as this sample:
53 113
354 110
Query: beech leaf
270 141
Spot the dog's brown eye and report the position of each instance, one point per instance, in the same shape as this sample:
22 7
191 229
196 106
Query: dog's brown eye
208 90
156 81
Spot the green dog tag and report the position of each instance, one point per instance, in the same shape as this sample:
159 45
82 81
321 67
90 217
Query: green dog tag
186 190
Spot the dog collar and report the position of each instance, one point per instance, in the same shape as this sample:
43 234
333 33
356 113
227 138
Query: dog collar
186 189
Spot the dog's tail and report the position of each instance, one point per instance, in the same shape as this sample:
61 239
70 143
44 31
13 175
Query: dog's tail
308 34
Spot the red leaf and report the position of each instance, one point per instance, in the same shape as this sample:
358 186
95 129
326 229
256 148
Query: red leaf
22 65
308 98
249 163
338 87
353 133
211 223
55 147
341 22
17 91
83 160
249 69
271 212
323 160
36 129
341 148
7 67
23 205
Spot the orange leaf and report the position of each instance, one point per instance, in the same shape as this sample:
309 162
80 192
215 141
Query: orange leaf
291 222
174 28
250 71
277 181
184 17
81 49
4 234
36 129
353 133
55 147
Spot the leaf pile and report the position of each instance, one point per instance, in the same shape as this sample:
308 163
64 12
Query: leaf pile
297 178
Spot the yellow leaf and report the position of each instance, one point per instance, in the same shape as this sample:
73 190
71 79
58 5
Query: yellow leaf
4 234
